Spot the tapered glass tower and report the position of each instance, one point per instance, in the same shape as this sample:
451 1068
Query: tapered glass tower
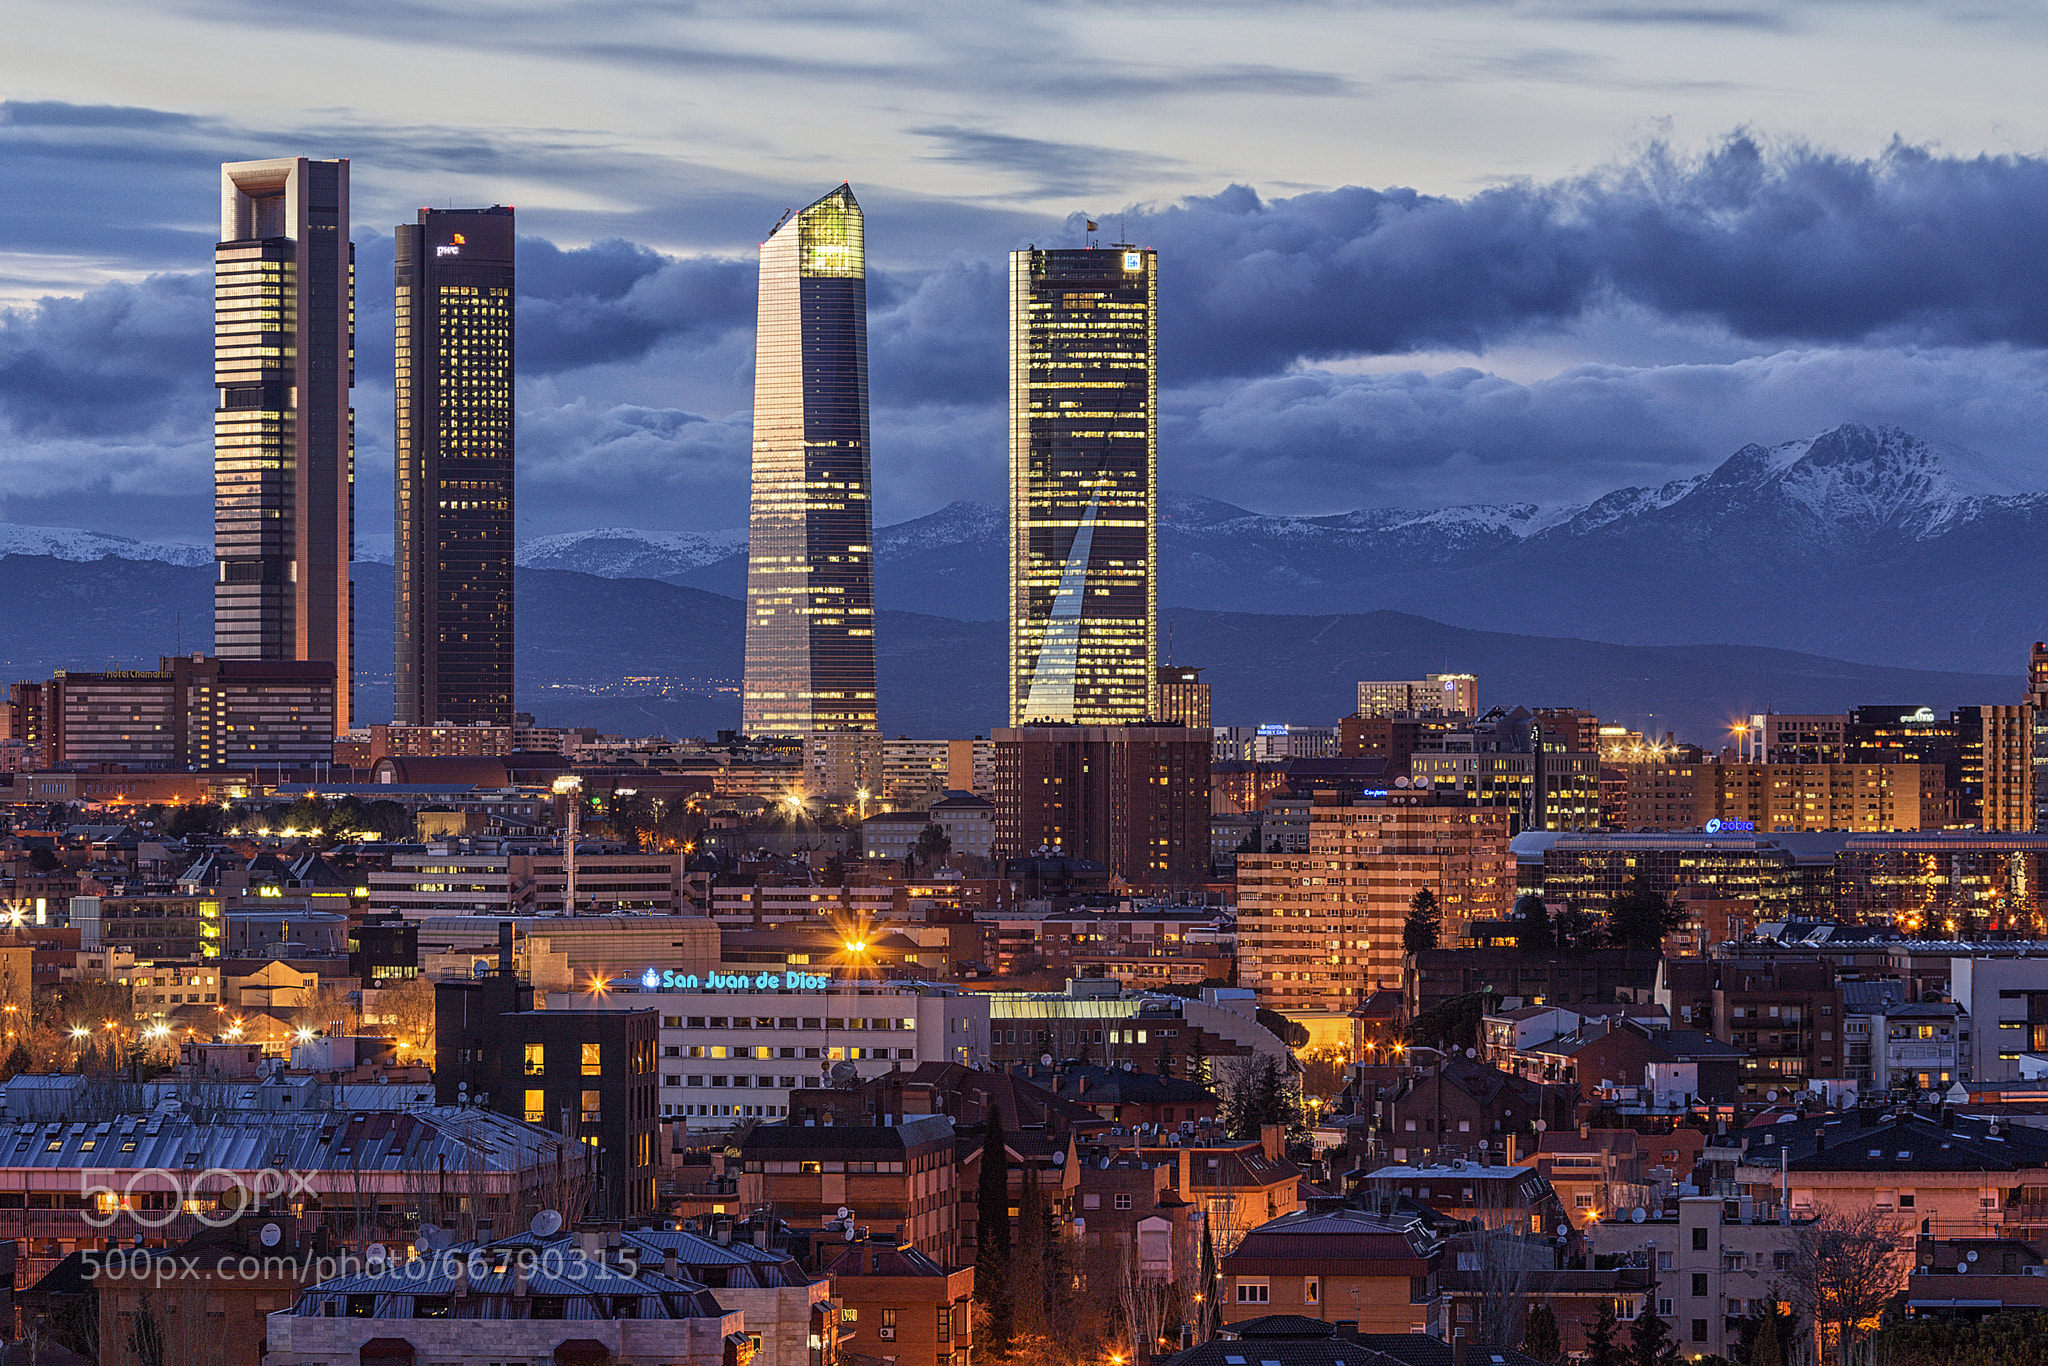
452 455
1084 498
283 434
810 670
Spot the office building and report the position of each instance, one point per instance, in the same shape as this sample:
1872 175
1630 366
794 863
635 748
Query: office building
1273 740
1183 697
1134 799
1321 930
732 1053
1084 496
452 460
1447 693
1997 787
193 712
810 666
284 434
1767 798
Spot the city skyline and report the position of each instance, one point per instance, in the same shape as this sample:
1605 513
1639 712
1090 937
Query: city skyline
1565 273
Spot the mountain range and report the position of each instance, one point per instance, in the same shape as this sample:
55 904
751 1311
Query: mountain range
1862 543
1856 544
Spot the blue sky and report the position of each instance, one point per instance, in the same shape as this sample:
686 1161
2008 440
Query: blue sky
1412 254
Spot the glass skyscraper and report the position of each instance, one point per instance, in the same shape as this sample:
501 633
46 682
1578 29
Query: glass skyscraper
1084 499
452 457
283 434
810 670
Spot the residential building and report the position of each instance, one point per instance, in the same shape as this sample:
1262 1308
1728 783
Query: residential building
452 459
1785 1013
1949 1175
1183 697
1766 798
284 446
428 741
1322 930
587 1074
969 823
1084 495
1456 1109
1718 1263
898 1179
1378 1274
1132 798
891 836
568 1299
516 879
900 1304
1447 693
790 1317
1510 1197
153 928
1998 773
915 773
227 1283
1238 1184
1115 1024
810 649
971 766
193 712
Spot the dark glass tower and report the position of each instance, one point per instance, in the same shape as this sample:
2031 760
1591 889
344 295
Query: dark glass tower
810 668
452 457
284 435
1084 498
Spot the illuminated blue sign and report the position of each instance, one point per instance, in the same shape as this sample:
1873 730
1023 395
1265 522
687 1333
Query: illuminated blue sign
672 980
1721 827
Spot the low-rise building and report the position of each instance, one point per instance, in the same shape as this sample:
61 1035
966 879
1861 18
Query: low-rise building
896 1179
1379 1275
898 1303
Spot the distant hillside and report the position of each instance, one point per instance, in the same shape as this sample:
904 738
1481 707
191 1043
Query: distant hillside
668 657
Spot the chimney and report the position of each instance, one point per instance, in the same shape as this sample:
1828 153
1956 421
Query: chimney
1585 1131
1273 1139
761 1236
672 1264
1460 1349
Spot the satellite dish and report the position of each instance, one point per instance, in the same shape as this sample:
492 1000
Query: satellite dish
1103 1164
428 1238
1045 1059
1770 1095
1564 1230
1973 1254
1637 1215
1961 1267
1540 1125
1059 1159
843 1213
849 1233
1130 1067
546 1224
376 1254
270 1234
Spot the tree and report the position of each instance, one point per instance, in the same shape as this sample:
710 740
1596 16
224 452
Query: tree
992 1289
1642 916
1425 923
1574 930
1766 1336
43 860
1603 1346
933 844
1453 1024
1846 1266
1257 1091
1540 1337
1532 927
1650 1342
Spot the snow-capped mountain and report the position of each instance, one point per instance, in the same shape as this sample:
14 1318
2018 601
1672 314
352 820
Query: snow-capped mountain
72 543
622 553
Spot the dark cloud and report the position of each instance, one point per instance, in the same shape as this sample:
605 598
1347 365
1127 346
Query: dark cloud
1047 168
1778 245
56 114
122 359
614 301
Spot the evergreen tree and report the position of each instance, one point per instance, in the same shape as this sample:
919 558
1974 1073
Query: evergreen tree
992 1288
1532 926
1650 1342
18 1060
1767 1346
1425 923
1539 1335
1641 917
1603 1345
1208 1309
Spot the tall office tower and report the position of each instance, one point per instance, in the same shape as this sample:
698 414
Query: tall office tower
284 435
452 458
810 669
1084 496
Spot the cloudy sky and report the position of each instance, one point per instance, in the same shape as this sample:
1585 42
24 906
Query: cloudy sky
1411 253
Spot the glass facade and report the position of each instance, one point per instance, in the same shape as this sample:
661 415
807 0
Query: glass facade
284 441
810 668
453 465
1084 500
